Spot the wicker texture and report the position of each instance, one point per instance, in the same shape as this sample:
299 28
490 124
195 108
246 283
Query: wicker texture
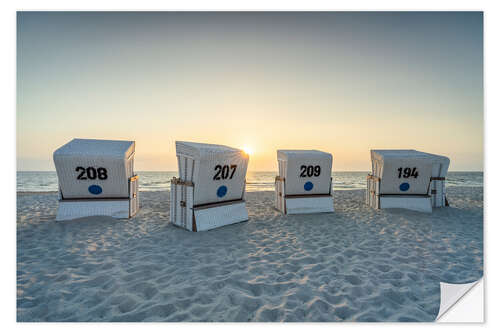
198 163
279 195
301 205
385 179
211 218
372 191
184 214
291 165
200 151
69 210
419 204
392 184
323 204
181 205
134 196
440 164
117 157
438 193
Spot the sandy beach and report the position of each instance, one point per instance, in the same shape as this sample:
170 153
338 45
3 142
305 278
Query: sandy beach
357 264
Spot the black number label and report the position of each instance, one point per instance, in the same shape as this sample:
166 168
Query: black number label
408 172
317 171
222 171
303 170
310 170
82 173
225 171
218 168
102 173
233 168
91 173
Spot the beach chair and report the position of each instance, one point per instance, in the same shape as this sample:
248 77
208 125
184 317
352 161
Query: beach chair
210 190
304 183
407 179
96 177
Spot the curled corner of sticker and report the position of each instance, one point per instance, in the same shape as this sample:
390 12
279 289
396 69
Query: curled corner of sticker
452 293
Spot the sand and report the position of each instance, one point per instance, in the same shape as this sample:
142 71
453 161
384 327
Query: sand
357 264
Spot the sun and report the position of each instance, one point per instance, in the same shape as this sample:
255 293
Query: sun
248 150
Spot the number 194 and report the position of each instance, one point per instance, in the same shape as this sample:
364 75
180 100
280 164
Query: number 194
407 172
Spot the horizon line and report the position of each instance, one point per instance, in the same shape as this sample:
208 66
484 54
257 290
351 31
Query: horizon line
247 171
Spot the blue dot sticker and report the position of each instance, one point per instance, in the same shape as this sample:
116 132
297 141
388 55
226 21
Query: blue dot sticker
308 186
95 189
221 191
404 187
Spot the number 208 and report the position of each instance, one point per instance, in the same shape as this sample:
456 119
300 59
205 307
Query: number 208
91 173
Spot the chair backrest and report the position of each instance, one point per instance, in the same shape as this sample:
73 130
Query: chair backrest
218 172
405 176
305 171
93 169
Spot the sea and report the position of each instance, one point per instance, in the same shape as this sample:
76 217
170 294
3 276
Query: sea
46 181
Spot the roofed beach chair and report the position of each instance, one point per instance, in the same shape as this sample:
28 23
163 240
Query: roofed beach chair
210 190
304 183
407 179
96 177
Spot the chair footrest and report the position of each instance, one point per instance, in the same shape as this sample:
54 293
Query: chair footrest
307 205
417 203
117 208
217 216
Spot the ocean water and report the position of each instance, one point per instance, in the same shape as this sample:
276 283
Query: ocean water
43 181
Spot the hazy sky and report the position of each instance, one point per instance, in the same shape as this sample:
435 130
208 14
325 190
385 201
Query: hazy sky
344 83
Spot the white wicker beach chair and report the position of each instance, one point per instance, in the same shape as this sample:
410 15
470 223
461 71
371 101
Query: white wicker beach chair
96 177
210 190
304 183
407 179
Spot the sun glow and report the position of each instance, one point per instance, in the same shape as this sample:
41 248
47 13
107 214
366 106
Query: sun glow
247 150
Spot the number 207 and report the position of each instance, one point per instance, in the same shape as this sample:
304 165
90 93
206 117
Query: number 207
223 171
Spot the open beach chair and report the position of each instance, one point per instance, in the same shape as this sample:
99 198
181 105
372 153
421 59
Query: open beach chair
210 190
407 179
96 177
304 183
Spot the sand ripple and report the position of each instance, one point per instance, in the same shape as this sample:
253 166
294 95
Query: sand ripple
356 264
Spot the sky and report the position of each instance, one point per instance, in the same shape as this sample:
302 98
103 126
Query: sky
341 82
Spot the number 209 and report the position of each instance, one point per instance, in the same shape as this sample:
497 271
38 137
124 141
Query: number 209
310 170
